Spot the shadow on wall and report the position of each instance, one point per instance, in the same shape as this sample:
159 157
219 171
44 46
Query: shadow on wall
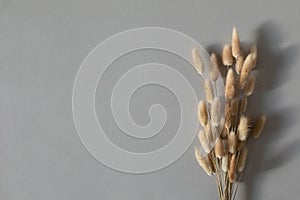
274 64
273 67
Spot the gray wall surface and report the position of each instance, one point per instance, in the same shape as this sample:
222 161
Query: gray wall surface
42 44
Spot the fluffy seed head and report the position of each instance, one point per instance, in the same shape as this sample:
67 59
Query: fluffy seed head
259 126
239 64
232 168
219 148
227 58
225 163
248 65
214 67
204 162
209 134
250 85
250 61
236 49
216 112
209 92
230 78
243 128
227 116
232 142
229 86
198 64
242 159
203 141
202 113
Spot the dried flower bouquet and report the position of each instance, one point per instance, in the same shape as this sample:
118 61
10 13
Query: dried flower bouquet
226 127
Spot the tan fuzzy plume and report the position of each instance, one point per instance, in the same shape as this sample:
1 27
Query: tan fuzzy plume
232 169
239 64
234 106
232 142
250 61
202 113
215 112
203 141
198 64
209 92
227 116
248 65
227 57
259 126
250 85
229 86
225 163
230 78
204 162
242 159
209 134
219 148
244 104
214 67
236 49
243 128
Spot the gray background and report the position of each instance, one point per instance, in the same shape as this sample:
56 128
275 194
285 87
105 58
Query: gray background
42 44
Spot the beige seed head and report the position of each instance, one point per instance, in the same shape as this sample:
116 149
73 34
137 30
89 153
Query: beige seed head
250 61
244 104
242 159
209 134
243 128
248 65
259 126
230 78
202 113
219 148
236 49
250 85
232 142
225 163
227 57
229 93
204 162
209 93
229 86
234 106
239 64
227 116
215 112
216 132
232 168
214 67
198 64
203 141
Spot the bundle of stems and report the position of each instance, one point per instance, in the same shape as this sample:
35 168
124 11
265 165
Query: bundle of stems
225 131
